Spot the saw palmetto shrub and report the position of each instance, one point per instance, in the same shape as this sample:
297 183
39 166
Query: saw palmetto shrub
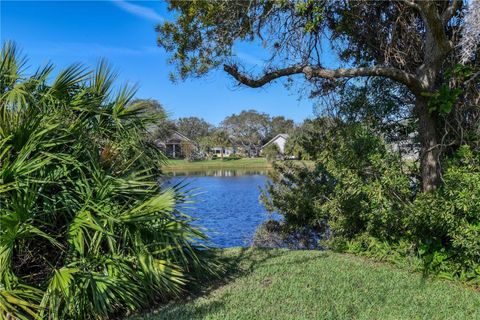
85 229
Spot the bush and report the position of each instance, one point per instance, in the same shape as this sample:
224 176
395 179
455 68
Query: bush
189 151
298 193
362 198
354 187
235 156
446 223
271 152
86 230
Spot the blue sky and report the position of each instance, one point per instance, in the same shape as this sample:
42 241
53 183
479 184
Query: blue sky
123 32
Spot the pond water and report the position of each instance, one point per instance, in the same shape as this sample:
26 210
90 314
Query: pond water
226 204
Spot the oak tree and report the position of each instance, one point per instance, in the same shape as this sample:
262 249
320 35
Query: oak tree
409 42
248 129
193 127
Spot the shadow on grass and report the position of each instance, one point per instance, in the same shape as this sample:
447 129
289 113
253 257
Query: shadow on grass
230 159
354 286
238 264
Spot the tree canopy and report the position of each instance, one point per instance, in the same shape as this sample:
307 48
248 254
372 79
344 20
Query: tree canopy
412 43
248 129
251 129
193 127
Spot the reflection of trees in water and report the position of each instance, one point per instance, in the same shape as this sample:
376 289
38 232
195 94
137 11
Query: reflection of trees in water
217 172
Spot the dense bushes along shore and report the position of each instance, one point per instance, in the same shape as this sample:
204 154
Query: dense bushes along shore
363 198
86 231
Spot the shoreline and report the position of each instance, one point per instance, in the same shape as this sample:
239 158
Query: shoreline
218 164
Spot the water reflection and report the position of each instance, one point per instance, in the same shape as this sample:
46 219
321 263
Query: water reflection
217 173
226 203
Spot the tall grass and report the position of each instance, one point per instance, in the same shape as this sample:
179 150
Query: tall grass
85 229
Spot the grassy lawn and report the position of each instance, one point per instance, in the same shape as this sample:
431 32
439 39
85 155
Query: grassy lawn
280 284
245 163
226 163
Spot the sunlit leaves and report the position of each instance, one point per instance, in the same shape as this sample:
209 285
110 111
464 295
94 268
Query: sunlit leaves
86 230
18 303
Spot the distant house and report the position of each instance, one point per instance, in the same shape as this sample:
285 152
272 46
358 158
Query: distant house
176 144
227 152
279 140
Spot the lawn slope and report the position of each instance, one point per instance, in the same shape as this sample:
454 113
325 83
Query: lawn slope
280 284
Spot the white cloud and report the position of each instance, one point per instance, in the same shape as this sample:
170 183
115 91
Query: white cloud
138 10
84 49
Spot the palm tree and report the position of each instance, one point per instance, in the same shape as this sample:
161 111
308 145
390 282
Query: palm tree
86 231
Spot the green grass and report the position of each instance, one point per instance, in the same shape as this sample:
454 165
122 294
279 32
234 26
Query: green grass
280 284
226 163
245 163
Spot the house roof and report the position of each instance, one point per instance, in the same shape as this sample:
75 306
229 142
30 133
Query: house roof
280 135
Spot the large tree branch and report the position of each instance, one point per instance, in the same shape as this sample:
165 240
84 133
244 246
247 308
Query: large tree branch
411 3
310 72
451 10
435 23
266 78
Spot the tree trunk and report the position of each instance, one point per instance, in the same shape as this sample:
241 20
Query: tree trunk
429 147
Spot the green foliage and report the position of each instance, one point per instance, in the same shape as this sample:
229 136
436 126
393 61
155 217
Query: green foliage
221 138
298 193
362 198
314 11
193 127
352 186
443 100
203 34
248 129
402 253
278 125
447 222
162 127
86 231
188 150
271 152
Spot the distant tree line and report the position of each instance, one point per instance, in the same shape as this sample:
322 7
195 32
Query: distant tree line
248 129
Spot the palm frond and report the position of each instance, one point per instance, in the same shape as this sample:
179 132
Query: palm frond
86 229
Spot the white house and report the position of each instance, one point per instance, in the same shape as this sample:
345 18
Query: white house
227 152
279 140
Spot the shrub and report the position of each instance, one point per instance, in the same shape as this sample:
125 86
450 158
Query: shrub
298 193
86 231
271 152
235 156
354 187
362 198
446 223
189 150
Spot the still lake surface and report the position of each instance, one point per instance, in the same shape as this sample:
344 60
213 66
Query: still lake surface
226 203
